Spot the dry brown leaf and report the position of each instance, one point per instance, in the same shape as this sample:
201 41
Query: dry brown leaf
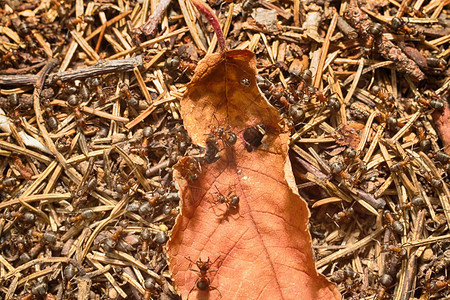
441 120
349 135
262 247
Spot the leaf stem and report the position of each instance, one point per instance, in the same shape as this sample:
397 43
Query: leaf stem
205 10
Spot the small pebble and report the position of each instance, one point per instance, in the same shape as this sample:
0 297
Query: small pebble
427 255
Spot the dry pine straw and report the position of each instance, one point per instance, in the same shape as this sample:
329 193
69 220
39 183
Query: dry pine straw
94 221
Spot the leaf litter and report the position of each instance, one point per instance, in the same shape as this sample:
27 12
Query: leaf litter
262 245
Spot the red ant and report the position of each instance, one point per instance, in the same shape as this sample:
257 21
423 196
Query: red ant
396 226
230 200
150 289
126 187
435 103
425 143
344 214
147 133
277 93
7 183
436 63
375 31
386 97
436 285
84 215
145 239
212 149
111 242
397 167
185 65
190 168
96 82
400 251
338 168
52 121
74 101
399 25
203 282
385 281
126 93
228 137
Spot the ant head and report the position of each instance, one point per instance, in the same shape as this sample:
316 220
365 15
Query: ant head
203 265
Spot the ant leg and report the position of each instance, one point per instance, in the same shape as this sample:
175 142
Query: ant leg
215 260
195 284
191 262
214 288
